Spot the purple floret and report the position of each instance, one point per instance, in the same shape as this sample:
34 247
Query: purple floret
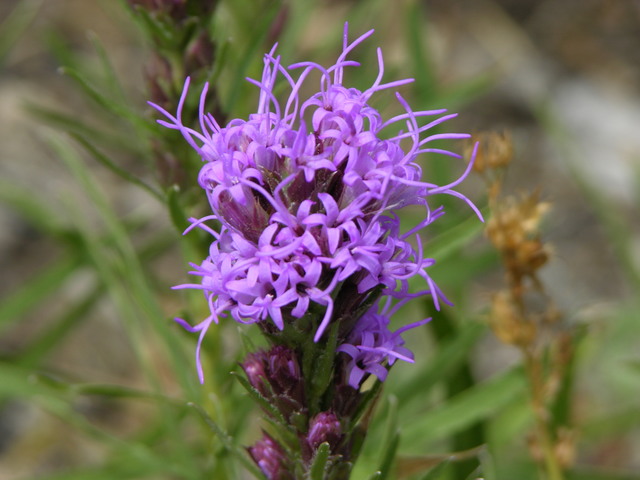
373 347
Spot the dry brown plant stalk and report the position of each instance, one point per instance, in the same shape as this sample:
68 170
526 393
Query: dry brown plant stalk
522 314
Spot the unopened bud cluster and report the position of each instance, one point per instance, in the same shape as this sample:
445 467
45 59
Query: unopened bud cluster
184 48
276 375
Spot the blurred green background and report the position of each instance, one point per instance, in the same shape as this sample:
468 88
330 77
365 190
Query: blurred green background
96 381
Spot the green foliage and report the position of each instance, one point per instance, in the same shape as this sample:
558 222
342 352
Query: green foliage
14 25
319 463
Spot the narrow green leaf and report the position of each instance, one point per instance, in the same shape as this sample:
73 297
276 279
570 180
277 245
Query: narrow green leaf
613 424
123 274
31 208
435 465
223 51
453 239
259 29
449 357
227 441
600 474
109 164
509 423
53 397
36 291
27 382
464 409
106 103
176 212
15 24
391 439
444 328
460 269
320 462
119 267
439 472
16 382
73 125
561 406
114 85
119 391
72 316
367 403
389 456
102 472
260 399
324 364
154 27
426 85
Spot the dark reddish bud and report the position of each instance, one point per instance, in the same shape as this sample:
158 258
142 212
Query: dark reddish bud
277 367
158 75
199 54
270 458
278 25
177 10
324 427
276 375
345 399
284 372
254 368
174 9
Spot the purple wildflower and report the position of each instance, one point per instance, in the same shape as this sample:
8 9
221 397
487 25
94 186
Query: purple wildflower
307 191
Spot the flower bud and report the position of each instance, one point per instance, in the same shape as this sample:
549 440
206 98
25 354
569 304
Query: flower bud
270 458
254 368
157 74
175 9
284 371
276 375
324 427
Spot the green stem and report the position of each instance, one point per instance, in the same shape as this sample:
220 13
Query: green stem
534 372
444 328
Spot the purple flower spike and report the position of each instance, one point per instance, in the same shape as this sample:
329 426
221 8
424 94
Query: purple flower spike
307 192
